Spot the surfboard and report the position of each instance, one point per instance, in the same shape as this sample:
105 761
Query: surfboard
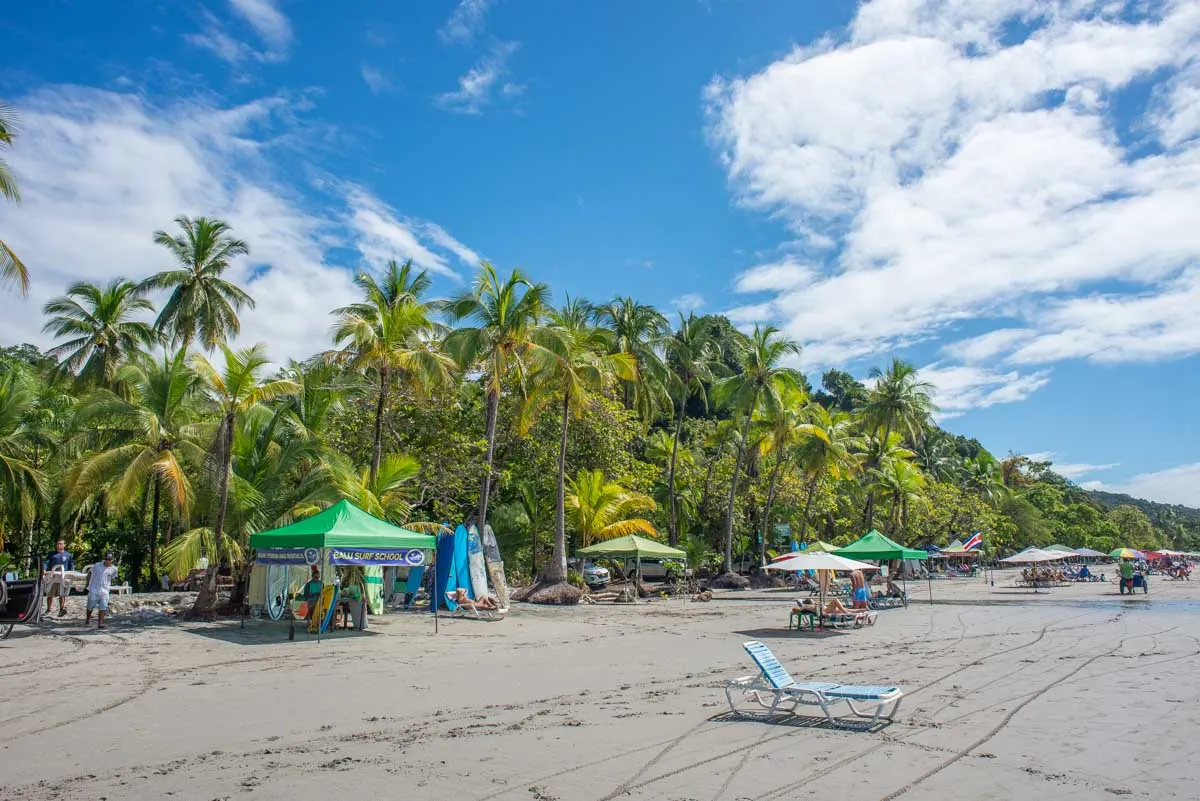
413 584
495 567
462 564
444 576
476 570
319 618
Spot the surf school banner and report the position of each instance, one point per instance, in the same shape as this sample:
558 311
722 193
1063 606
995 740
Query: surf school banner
286 556
404 557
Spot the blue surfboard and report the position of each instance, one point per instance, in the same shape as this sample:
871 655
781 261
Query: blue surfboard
444 573
462 563
413 585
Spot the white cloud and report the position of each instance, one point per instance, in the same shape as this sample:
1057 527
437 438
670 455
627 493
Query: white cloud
971 162
1072 471
778 276
114 167
376 81
465 22
267 20
959 388
1174 485
475 88
688 302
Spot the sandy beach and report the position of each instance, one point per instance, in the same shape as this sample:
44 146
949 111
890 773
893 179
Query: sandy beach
1074 693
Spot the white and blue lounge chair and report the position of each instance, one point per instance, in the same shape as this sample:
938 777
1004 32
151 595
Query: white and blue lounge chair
775 690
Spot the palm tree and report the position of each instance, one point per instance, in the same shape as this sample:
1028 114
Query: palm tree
693 360
97 320
22 484
580 366
202 305
390 334
387 493
602 510
232 391
504 342
637 328
783 428
903 481
322 391
147 435
982 477
761 384
830 453
899 401
12 271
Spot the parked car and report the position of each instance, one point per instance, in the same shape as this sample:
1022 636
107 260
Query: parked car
594 576
654 568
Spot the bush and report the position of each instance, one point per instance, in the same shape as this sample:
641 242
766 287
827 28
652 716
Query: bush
575 579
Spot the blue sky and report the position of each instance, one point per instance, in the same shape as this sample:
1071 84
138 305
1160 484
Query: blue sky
1004 192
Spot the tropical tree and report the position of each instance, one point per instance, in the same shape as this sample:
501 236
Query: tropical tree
783 428
694 361
12 271
580 365
98 321
762 383
322 390
602 510
232 391
22 484
900 401
146 436
391 335
505 341
387 494
832 454
983 478
902 481
636 331
202 306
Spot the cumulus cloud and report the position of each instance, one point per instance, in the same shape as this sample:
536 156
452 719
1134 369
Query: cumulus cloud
465 22
1073 471
688 302
1173 485
984 161
476 88
958 388
101 171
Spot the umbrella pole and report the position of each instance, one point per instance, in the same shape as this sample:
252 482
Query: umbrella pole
929 581
434 599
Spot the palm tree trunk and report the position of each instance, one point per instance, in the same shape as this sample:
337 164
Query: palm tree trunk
762 546
154 534
556 570
493 408
810 492
712 465
673 531
733 482
869 510
207 597
380 405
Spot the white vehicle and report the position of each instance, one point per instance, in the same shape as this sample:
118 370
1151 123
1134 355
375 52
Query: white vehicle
594 575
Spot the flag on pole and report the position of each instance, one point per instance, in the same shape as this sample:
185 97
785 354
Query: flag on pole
975 543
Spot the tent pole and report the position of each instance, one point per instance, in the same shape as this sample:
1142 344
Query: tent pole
434 598
929 581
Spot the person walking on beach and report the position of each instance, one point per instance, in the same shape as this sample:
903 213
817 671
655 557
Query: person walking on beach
100 578
57 583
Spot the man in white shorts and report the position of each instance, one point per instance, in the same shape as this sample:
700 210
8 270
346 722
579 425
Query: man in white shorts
100 579
56 581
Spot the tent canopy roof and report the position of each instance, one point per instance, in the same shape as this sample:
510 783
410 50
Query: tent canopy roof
818 560
342 525
1060 549
632 545
874 545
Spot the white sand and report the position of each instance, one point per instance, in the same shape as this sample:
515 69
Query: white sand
1076 693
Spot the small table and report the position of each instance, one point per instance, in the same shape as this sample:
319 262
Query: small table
801 618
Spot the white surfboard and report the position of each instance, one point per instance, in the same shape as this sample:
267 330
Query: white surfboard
478 571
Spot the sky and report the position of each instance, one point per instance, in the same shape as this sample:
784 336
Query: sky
1004 192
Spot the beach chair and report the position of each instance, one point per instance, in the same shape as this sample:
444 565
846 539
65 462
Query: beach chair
774 689
470 610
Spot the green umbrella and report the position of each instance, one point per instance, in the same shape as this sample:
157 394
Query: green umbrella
874 545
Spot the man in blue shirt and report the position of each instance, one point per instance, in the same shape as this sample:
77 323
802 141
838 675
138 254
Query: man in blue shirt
60 558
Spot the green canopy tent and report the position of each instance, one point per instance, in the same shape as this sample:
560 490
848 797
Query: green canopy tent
635 546
874 545
343 534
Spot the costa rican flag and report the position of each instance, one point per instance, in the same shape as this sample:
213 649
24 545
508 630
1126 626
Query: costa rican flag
974 543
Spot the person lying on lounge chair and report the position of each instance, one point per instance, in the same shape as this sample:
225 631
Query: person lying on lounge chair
836 607
485 604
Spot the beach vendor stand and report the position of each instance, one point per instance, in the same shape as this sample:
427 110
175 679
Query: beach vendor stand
633 546
875 546
340 536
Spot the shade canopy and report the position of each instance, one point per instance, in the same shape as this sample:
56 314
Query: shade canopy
632 545
1031 555
1061 549
342 525
818 560
1088 552
1126 553
874 545
812 547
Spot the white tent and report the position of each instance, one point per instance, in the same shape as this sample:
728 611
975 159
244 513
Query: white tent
1030 555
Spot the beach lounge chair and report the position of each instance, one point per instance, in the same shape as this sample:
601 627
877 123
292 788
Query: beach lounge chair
775 690
468 609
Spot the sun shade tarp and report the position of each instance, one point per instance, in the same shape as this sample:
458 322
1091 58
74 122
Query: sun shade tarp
632 545
874 545
342 525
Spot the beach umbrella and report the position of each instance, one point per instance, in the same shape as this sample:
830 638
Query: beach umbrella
1126 553
1089 553
1032 555
1061 549
818 560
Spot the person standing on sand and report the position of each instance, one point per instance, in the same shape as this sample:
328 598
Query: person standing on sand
860 596
60 558
100 578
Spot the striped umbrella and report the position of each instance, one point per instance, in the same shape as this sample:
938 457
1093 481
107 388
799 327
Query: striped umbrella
1126 553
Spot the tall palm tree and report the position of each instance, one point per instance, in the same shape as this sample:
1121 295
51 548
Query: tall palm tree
387 494
505 341
602 510
147 436
693 360
832 453
232 391
783 428
902 480
98 321
391 334
899 401
322 391
982 477
22 484
12 271
762 383
637 329
581 365
202 304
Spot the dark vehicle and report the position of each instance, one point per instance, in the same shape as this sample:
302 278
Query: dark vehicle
20 602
